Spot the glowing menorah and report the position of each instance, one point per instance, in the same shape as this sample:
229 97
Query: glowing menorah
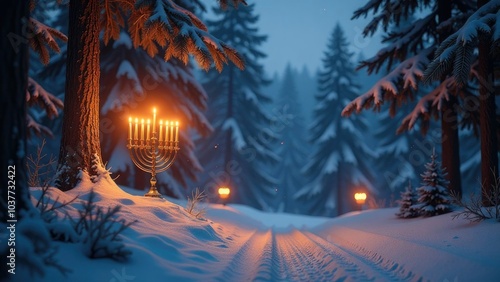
150 153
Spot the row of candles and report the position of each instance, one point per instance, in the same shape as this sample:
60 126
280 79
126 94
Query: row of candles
169 128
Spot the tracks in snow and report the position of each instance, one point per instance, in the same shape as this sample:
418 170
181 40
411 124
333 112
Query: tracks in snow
304 256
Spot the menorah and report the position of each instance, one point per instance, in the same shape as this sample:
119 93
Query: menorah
150 153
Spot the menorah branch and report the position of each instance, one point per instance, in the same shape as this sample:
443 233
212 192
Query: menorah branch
151 152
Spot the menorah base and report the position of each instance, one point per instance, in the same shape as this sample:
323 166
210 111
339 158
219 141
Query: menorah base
153 192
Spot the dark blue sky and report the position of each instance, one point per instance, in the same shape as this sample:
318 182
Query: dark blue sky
298 30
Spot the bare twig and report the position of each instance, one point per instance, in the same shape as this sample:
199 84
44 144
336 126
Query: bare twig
38 168
193 203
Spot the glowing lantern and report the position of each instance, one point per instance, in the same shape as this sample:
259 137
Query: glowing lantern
224 192
360 198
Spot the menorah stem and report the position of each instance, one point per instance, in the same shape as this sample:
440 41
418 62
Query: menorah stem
153 192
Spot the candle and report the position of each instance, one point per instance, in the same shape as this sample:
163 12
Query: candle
154 120
176 131
147 134
142 129
130 128
161 127
166 131
171 131
136 128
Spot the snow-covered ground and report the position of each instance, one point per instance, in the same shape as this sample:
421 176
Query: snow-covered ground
238 243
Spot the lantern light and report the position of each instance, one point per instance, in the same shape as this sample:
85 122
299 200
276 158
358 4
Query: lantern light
360 198
224 192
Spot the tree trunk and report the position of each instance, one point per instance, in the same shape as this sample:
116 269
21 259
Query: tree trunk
13 85
229 135
487 117
449 122
340 203
80 132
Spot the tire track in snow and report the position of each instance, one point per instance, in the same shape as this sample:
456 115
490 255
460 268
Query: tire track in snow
382 268
303 256
251 261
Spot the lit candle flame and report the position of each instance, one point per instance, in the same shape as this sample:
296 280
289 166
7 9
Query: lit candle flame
142 129
136 129
161 132
176 131
147 134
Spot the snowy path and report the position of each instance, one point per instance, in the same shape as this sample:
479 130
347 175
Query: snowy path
303 256
168 244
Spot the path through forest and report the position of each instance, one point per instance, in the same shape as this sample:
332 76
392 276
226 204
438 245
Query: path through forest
298 255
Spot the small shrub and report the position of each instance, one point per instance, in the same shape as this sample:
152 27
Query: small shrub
59 229
434 198
474 211
194 202
407 203
101 231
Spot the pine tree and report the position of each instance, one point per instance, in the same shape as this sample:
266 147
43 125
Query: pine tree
433 195
456 56
292 142
240 146
153 25
135 80
407 203
413 47
13 86
340 158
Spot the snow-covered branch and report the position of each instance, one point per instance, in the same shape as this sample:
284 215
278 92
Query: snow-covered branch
401 44
43 36
162 25
428 106
37 95
408 73
456 51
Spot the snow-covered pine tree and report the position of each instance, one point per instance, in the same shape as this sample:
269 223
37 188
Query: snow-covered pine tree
433 196
134 81
456 55
407 203
240 147
50 79
341 156
290 128
411 49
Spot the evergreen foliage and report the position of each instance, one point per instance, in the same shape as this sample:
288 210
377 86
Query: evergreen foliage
341 156
407 56
292 142
433 195
135 80
407 203
235 154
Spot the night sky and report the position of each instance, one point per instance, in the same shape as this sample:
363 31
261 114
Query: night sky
298 30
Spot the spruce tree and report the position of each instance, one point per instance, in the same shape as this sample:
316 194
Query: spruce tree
407 57
457 56
407 203
433 195
235 154
292 142
341 156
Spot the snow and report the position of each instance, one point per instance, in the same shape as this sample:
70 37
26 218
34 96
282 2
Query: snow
238 243
231 124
